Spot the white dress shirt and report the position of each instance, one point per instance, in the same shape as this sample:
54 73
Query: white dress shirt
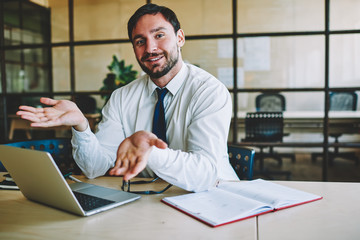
197 112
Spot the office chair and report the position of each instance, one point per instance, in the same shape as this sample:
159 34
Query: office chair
270 102
265 127
242 160
273 102
343 101
340 101
86 104
60 149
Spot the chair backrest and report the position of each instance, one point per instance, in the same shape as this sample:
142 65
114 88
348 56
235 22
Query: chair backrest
343 101
264 126
60 149
86 104
242 160
270 102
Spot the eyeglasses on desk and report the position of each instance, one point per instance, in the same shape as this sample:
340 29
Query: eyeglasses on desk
126 186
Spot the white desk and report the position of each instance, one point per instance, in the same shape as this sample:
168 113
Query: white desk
335 217
315 114
312 121
147 218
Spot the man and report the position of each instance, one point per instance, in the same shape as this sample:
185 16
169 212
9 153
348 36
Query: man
197 114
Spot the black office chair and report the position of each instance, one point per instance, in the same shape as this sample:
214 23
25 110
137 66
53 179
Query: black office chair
273 102
60 149
263 127
270 102
340 101
343 101
242 160
86 104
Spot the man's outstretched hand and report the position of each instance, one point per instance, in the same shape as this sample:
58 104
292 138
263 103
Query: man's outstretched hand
133 154
59 113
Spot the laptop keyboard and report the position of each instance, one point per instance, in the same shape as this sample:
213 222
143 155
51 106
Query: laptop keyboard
88 202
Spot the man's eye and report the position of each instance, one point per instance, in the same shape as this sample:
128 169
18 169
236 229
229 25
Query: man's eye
139 42
159 35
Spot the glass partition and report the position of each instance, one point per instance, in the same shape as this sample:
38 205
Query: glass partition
344 14
12 32
207 54
202 16
281 62
14 73
98 19
35 24
59 21
61 69
294 101
344 60
92 63
256 16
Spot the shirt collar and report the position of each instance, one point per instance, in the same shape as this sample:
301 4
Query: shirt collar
174 85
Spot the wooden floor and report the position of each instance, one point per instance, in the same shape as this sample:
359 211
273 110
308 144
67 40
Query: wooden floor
305 170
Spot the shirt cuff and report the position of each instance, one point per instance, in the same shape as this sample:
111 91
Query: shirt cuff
83 134
157 158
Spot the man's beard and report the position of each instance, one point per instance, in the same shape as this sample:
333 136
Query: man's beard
170 63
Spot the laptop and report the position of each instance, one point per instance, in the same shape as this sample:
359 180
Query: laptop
40 180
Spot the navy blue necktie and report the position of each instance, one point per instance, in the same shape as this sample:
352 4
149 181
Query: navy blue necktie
159 124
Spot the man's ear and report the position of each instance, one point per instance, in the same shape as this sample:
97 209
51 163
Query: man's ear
180 38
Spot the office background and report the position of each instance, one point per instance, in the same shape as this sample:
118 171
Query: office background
302 48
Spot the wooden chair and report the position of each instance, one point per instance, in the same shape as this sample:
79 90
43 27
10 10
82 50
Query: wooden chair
242 160
59 148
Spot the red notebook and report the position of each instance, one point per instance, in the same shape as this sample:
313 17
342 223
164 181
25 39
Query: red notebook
234 201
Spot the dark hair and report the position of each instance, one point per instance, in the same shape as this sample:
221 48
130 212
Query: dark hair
153 9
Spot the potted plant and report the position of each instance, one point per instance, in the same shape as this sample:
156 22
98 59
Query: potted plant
119 76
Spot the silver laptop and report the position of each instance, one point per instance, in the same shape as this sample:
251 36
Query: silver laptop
40 180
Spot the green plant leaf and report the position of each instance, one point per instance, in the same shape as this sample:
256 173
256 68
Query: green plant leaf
119 76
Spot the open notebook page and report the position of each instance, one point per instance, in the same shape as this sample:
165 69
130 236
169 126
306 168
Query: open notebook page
217 206
273 194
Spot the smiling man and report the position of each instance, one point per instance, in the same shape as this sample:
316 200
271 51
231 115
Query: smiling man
188 149
157 48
